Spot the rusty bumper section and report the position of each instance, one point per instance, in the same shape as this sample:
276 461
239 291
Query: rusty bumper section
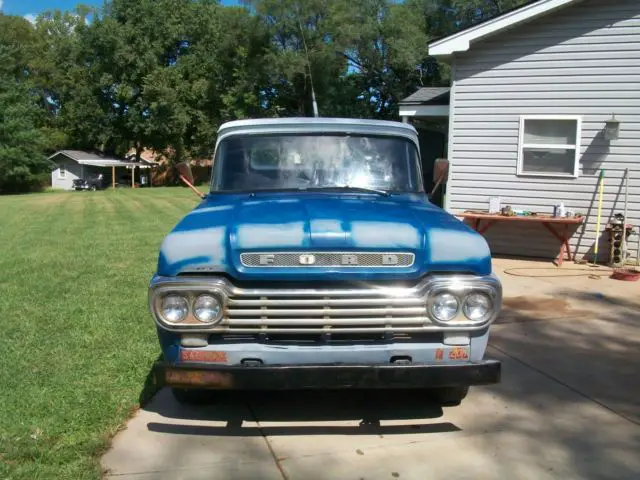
285 377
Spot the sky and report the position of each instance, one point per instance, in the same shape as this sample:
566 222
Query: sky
31 8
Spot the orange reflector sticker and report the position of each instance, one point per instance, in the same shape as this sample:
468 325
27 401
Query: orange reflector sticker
458 353
203 356
202 378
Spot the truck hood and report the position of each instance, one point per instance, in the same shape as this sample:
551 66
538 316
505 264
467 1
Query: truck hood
211 238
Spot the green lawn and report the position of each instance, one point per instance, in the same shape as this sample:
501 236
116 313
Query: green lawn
77 341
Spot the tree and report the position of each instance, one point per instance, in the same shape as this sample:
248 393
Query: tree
303 52
63 81
164 74
23 164
384 47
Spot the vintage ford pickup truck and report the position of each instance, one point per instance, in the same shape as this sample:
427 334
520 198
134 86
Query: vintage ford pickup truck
317 261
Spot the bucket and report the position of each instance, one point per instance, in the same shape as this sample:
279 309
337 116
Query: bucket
626 274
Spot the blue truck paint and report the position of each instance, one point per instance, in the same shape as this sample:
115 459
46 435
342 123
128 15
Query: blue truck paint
211 237
209 240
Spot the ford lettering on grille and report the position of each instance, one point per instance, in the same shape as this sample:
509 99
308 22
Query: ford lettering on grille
328 259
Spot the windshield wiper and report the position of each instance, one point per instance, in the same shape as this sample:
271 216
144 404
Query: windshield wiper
384 193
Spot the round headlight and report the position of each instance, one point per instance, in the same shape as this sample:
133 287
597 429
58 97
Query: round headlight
477 306
207 308
174 308
444 307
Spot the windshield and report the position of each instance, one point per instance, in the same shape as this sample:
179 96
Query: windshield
276 162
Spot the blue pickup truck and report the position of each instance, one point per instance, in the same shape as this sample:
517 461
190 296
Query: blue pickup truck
316 261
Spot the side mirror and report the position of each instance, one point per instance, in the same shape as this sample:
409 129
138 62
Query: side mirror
186 175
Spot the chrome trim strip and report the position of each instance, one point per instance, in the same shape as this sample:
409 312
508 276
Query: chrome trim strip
334 321
332 265
319 312
331 302
392 300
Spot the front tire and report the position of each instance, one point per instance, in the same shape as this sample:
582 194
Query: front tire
449 396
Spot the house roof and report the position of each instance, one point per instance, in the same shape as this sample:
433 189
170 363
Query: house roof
461 41
428 96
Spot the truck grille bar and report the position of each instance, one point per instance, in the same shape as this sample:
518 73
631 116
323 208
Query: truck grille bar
323 312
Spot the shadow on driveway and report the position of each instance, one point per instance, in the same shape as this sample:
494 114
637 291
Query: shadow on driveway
297 408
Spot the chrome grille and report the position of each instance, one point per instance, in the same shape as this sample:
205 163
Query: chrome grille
328 259
318 311
331 307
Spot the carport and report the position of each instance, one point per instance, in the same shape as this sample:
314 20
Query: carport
105 163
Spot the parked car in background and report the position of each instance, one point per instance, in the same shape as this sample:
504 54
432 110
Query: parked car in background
96 182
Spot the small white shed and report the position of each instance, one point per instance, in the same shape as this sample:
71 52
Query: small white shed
73 164
531 94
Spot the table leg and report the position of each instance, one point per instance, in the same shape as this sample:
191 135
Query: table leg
564 242
560 258
489 224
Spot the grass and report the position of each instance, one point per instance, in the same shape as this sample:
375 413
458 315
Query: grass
77 341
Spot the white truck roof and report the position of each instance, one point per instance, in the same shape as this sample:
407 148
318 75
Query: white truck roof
301 125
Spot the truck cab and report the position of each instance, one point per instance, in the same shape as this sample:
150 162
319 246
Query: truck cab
316 261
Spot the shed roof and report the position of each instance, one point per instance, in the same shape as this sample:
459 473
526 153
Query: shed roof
461 41
94 159
428 96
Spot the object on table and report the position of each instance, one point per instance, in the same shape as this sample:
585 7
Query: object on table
559 210
507 211
494 205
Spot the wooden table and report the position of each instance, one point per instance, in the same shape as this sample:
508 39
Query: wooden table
547 222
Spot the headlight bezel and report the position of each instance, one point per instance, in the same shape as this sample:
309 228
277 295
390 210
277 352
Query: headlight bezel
462 289
191 294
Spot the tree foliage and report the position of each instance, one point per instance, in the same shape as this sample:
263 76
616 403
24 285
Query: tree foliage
164 74
23 136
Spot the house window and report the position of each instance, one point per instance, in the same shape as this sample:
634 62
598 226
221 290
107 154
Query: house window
62 172
549 146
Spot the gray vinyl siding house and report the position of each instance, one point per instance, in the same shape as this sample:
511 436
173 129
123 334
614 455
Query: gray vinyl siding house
573 60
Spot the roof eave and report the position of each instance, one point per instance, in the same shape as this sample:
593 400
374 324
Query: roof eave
461 41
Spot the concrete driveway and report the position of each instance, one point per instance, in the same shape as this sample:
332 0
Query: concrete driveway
568 407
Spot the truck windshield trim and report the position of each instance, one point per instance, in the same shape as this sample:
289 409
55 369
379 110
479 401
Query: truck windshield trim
314 162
